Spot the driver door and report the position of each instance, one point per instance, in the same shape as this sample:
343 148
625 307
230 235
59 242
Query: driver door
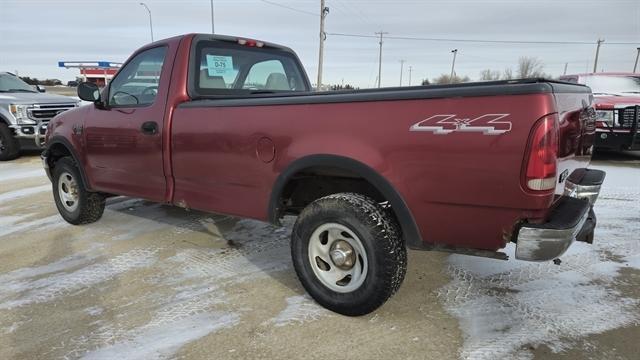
124 139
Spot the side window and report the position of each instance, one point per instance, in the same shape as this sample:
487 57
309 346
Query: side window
267 75
137 82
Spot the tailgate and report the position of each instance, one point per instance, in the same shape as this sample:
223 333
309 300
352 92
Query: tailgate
577 120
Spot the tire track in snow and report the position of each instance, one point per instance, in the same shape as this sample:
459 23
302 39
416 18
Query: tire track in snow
52 287
503 306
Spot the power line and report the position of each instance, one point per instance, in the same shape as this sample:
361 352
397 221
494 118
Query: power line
355 12
289 7
482 41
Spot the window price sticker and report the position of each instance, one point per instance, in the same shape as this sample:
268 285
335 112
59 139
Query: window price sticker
219 65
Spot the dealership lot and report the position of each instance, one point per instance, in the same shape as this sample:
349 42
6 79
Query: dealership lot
153 281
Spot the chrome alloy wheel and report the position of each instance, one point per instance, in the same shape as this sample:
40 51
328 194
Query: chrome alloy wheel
68 191
337 257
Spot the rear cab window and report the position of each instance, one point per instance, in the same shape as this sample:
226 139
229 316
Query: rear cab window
229 69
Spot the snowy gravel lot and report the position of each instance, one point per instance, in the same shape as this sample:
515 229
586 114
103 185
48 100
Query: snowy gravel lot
155 282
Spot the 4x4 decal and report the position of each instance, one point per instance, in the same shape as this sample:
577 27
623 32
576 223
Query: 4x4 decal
487 124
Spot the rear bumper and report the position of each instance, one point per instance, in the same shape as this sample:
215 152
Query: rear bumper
571 219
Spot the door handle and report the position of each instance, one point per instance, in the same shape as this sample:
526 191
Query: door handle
149 128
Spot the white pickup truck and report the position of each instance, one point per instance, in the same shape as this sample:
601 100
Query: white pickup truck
25 112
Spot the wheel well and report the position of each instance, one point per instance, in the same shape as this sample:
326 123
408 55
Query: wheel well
313 183
56 152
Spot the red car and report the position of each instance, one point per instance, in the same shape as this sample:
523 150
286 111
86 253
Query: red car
231 125
617 98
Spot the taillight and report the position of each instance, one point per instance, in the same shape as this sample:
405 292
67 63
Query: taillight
543 155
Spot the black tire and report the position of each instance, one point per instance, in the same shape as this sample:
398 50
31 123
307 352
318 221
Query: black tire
379 234
90 205
9 146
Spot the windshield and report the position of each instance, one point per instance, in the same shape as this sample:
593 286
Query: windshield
12 83
600 84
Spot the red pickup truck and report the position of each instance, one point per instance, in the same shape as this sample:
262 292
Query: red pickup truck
617 100
231 125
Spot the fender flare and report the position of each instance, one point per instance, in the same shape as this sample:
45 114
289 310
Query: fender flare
406 221
4 121
60 140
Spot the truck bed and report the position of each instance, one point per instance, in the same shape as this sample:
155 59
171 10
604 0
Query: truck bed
472 89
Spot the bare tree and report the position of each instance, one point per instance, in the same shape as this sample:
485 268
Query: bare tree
529 67
508 74
446 79
488 75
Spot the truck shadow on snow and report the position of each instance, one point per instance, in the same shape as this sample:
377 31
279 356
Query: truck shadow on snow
220 248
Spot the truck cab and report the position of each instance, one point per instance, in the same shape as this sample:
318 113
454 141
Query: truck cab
25 112
617 100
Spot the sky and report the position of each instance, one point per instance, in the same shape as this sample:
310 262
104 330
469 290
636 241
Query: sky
35 35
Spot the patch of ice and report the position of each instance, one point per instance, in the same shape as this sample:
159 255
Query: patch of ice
300 309
12 225
62 264
17 194
160 342
46 289
21 173
94 311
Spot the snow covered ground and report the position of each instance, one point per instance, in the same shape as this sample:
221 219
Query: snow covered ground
154 282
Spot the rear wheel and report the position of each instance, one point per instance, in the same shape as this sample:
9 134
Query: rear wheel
9 146
348 253
75 204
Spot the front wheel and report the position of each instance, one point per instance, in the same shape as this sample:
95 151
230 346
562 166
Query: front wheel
348 253
9 146
75 204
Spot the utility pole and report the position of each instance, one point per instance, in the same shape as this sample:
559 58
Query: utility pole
595 62
635 66
324 11
150 21
401 70
453 64
381 33
565 68
213 31
410 69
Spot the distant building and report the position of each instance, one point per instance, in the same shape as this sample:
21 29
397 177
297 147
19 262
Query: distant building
97 72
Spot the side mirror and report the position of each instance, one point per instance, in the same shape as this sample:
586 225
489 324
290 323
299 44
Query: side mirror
40 88
89 91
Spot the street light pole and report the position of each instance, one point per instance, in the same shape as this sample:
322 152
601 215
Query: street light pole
401 70
410 70
213 31
150 21
453 64
635 66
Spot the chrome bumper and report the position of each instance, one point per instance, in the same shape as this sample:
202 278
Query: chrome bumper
584 184
572 219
